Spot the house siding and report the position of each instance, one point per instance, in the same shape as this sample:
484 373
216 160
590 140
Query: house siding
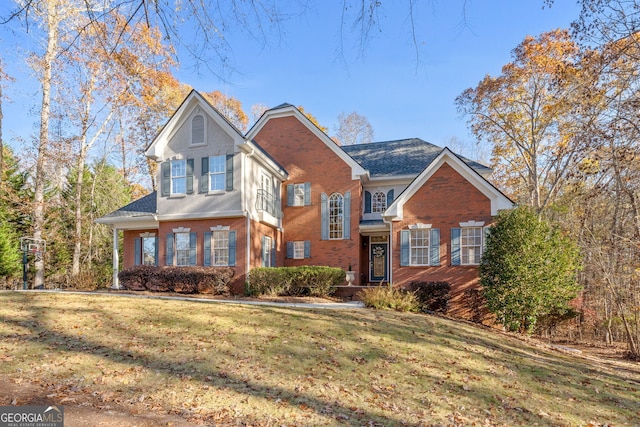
444 201
308 159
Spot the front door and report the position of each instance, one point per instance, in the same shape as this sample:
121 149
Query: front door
378 259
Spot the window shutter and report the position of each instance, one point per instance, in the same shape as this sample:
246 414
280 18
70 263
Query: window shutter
193 241
156 251
165 184
137 251
346 230
204 175
455 246
434 246
189 176
367 202
307 249
290 194
389 197
324 216
307 193
289 250
232 249
405 236
264 251
229 172
207 248
169 260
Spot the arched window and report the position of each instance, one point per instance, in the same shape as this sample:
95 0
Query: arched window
378 202
336 216
197 130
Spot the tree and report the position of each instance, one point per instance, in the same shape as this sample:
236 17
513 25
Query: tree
229 107
313 119
528 269
353 129
530 113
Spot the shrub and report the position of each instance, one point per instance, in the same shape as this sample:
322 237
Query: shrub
316 281
389 298
187 280
432 296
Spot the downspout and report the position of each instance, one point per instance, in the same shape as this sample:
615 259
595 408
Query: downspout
384 220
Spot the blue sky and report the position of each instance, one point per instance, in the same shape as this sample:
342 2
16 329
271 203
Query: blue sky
459 43
458 46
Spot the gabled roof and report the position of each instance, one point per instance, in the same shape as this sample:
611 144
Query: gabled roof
288 110
498 200
400 157
143 207
155 150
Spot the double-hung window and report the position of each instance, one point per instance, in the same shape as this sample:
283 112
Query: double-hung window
217 173
420 246
149 250
467 243
183 249
471 245
298 195
179 176
220 247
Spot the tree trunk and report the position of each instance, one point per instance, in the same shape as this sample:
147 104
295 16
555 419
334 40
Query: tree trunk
53 21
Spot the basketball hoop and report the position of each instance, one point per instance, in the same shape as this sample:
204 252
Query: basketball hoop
36 247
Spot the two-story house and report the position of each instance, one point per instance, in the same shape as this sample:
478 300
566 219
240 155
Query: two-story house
285 194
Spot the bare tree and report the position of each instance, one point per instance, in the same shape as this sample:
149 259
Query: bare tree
353 128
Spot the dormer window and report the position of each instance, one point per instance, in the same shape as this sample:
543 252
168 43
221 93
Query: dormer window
198 130
378 202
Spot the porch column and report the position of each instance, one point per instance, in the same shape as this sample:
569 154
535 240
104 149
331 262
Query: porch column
116 284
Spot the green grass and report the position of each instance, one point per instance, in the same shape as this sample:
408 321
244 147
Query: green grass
281 366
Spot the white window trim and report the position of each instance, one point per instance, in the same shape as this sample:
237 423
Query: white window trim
373 202
418 227
181 230
223 173
468 225
147 234
295 194
341 222
472 224
298 246
220 228
173 193
176 250
214 249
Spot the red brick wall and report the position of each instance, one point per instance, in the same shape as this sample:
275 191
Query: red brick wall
308 159
444 201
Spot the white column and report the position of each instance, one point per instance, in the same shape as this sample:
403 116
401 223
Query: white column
116 284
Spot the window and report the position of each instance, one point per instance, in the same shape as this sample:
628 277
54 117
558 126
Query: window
299 194
217 173
178 177
145 249
197 130
336 216
470 245
149 250
268 252
298 250
220 247
183 249
378 202
419 247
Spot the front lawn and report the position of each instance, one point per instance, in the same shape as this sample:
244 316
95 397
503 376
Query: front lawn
227 363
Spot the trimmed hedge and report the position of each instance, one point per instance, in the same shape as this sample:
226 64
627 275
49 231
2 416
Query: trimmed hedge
317 281
432 296
185 280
